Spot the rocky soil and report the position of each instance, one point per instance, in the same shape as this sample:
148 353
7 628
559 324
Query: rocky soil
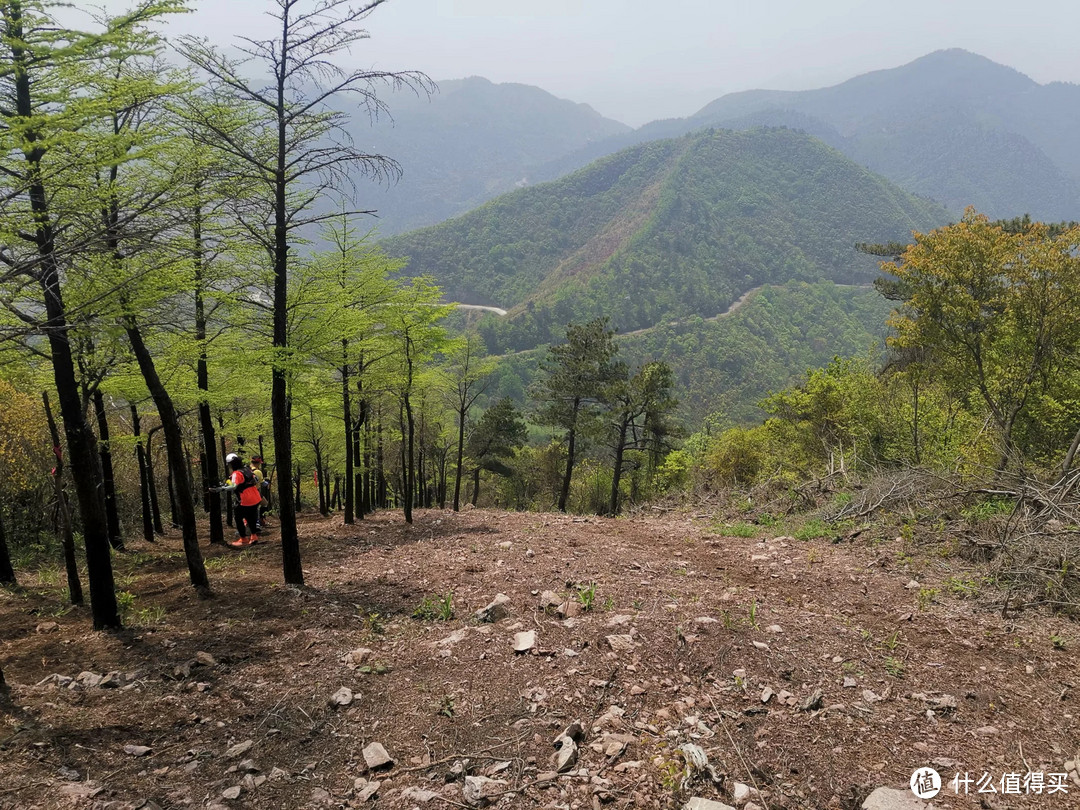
537 660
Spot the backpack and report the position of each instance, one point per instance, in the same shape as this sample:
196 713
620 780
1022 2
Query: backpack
249 480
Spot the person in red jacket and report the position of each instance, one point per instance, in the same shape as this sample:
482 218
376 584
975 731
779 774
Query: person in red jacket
242 482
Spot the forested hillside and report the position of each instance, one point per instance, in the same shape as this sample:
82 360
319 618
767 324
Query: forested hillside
467 142
665 230
725 366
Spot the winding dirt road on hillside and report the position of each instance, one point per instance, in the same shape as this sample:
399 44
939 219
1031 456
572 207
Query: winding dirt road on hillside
737 304
496 310
742 299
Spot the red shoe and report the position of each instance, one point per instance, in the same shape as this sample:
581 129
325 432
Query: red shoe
241 542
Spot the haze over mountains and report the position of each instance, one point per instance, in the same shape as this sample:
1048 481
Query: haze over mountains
468 143
952 126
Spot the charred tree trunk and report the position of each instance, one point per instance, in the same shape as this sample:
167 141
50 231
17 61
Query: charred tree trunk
208 439
151 481
108 480
564 493
367 498
228 501
616 473
460 458
280 402
7 572
407 470
174 511
350 431
67 537
174 442
380 469
144 484
80 438
319 484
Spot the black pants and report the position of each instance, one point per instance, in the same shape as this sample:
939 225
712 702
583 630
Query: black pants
248 515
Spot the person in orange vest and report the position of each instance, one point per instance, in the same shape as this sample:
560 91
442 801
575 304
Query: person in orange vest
242 482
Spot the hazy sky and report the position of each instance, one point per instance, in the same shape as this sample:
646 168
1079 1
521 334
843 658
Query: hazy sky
636 61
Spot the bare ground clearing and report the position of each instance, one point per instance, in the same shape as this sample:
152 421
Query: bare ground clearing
703 624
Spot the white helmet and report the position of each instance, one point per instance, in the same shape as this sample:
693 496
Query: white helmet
231 458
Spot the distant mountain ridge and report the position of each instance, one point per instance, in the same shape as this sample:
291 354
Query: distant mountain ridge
469 142
952 125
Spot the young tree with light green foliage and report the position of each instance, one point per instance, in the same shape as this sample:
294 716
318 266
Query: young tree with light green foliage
52 119
293 142
998 310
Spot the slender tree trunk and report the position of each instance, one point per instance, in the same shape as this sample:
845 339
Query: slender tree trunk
406 463
108 480
421 470
361 470
460 458
174 510
190 477
221 442
144 475
67 538
151 481
616 474
346 410
174 443
323 506
206 423
475 485
7 572
571 438
80 438
380 469
280 402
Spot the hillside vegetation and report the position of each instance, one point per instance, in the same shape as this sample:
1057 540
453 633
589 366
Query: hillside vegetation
726 365
665 230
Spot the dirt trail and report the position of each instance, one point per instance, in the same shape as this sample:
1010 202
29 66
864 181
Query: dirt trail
735 306
742 299
482 308
811 668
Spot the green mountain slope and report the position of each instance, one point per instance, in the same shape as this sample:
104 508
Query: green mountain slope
467 143
728 365
665 230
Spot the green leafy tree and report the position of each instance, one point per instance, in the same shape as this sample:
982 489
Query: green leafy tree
290 140
641 407
997 309
576 382
469 373
51 119
495 437
413 326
